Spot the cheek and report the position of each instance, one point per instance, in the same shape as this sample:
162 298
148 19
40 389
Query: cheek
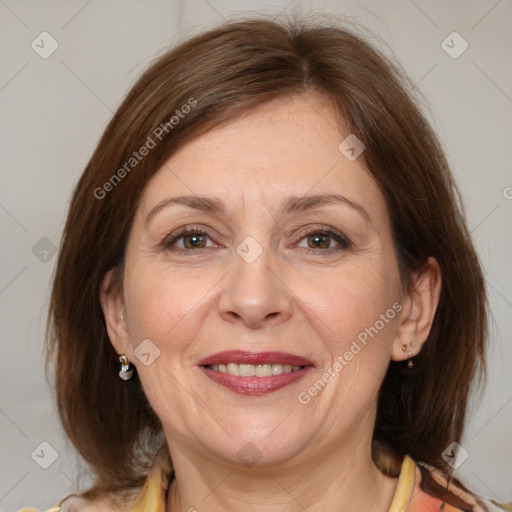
352 300
356 319
161 303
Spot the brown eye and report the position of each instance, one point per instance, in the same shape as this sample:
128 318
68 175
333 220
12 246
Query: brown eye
321 241
195 240
192 239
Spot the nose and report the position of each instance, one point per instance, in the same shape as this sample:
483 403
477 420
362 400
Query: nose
255 292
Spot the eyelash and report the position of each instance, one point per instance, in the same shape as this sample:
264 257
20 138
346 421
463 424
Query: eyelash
344 242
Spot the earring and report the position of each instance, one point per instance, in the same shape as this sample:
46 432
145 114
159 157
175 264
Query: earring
127 368
410 364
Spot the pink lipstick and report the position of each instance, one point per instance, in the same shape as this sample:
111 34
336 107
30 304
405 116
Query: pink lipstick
255 373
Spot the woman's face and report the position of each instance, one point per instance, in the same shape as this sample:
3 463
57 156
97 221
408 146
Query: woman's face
269 277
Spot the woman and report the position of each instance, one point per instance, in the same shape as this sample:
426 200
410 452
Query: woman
268 243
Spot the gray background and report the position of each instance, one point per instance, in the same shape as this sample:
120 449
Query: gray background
54 110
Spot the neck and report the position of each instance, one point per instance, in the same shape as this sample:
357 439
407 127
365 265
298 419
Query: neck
344 478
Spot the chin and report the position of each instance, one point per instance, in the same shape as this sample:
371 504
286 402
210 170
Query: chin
263 443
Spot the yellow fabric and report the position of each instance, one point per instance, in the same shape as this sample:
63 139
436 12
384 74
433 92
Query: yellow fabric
152 495
53 509
404 486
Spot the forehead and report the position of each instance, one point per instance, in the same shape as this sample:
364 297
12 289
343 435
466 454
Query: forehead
285 147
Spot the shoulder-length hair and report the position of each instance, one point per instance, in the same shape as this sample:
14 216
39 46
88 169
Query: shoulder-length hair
205 81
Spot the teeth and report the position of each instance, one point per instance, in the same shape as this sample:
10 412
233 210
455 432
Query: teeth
232 369
251 370
263 370
246 370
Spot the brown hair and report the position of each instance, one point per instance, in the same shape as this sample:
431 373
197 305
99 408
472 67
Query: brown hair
224 72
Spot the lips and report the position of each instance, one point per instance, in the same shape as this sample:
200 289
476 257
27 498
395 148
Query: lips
242 357
255 373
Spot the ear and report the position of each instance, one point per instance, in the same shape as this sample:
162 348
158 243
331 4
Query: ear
112 305
419 308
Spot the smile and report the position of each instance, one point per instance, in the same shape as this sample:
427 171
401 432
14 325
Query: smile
253 370
255 373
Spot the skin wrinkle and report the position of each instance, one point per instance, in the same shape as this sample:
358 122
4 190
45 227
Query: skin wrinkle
215 206
192 306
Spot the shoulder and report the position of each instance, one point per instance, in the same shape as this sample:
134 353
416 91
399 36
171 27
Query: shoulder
434 488
75 503
156 483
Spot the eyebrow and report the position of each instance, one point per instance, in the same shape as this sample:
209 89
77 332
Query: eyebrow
292 204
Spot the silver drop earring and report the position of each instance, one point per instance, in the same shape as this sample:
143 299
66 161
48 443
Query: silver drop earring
126 371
